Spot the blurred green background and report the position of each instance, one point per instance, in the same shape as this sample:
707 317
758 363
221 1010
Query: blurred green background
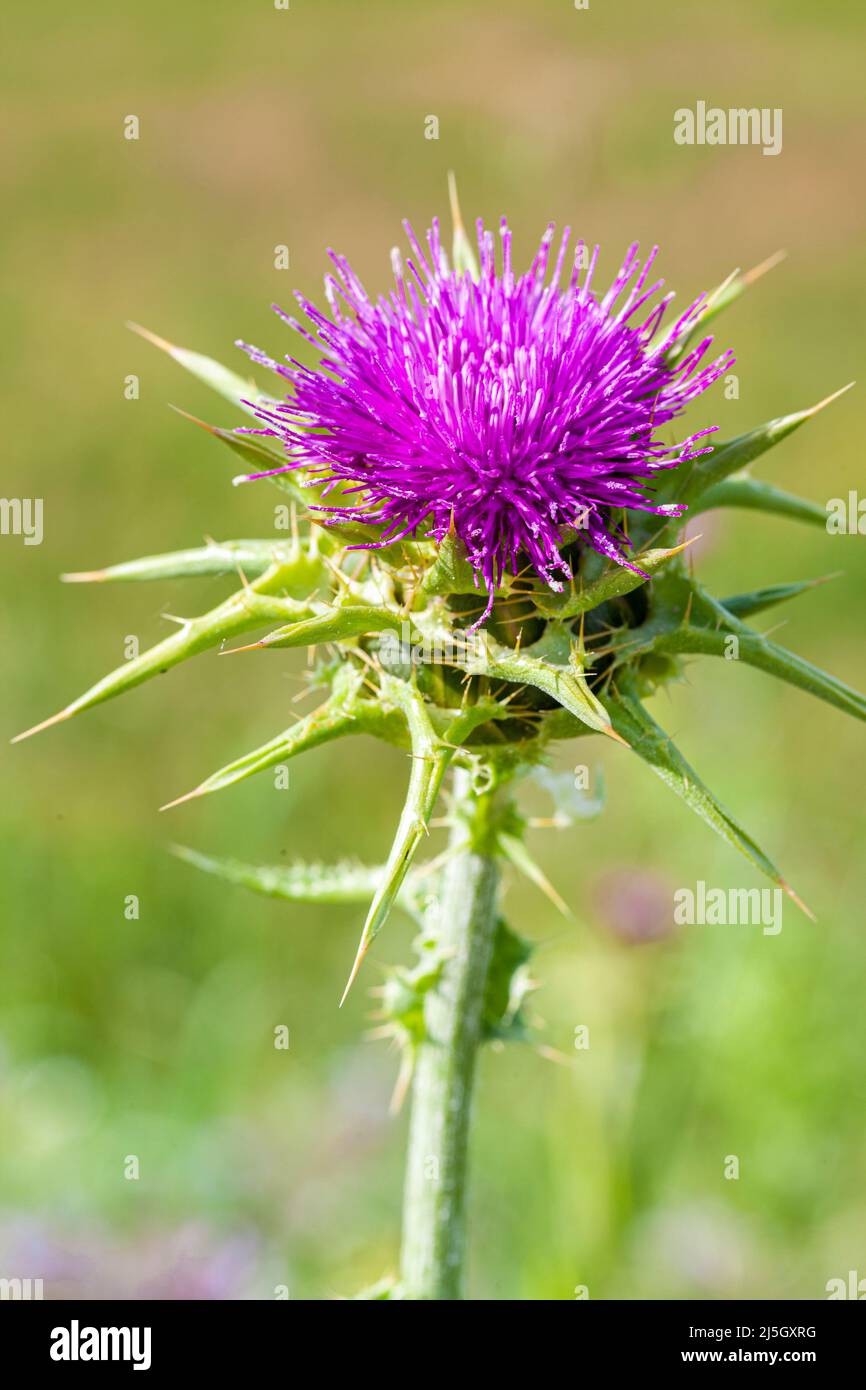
154 1037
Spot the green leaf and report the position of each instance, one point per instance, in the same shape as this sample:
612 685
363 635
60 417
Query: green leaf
515 850
451 572
614 583
257 456
225 382
657 749
726 459
337 624
217 557
751 494
690 621
744 605
297 883
251 607
430 758
727 293
340 714
757 650
508 984
564 680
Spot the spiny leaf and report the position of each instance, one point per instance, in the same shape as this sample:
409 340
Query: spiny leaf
455 727
727 293
342 715
339 715
757 650
217 557
508 983
514 849
256 455
451 572
744 605
726 459
656 749
430 758
565 681
221 379
677 600
298 883
251 607
336 624
692 621
614 583
752 494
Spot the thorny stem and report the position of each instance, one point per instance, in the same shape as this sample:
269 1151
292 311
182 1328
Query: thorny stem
434 1207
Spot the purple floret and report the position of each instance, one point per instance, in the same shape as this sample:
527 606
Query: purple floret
509 408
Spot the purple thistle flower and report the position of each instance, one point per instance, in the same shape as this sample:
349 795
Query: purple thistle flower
509 408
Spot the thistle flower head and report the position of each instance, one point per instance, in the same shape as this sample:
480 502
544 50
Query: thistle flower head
511 408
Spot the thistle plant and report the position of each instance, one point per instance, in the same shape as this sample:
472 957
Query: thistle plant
486 559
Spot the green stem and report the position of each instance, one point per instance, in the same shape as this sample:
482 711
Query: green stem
434 1208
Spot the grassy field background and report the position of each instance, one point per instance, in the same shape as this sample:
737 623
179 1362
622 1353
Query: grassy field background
153 1038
